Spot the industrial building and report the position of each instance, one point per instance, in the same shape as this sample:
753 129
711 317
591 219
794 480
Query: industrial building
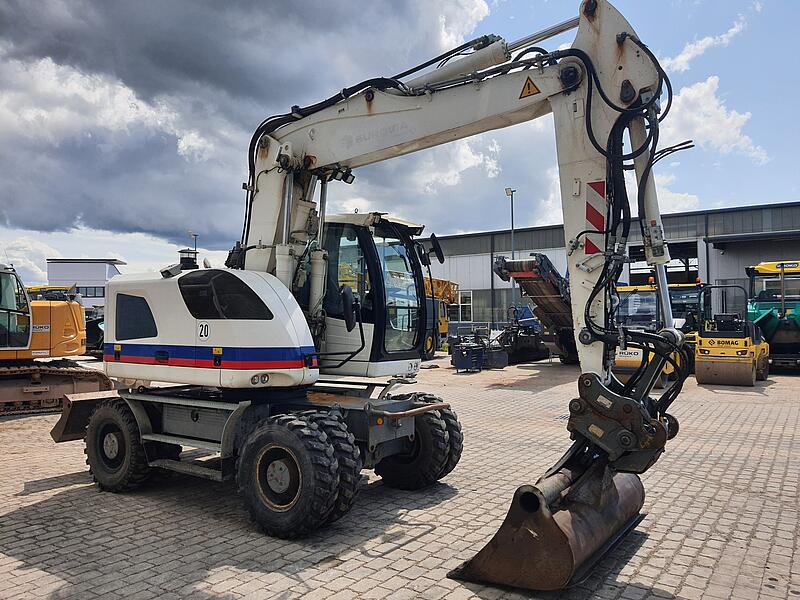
89 275
714 245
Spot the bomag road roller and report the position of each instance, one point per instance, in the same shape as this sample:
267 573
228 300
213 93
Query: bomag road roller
731 350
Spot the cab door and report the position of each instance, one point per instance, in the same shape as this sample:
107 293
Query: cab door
348 264
15 313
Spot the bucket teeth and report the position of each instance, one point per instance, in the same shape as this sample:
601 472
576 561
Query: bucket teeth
545 544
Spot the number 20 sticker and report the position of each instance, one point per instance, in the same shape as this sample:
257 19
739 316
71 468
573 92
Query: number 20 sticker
203 330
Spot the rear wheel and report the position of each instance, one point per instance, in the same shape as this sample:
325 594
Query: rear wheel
348 458
429 350
455 436
287 475
425 460
763 372
662 382
114 450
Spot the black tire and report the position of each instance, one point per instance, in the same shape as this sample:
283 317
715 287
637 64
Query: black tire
454 433
114 450
287 475
568 359
763 373
348 458
429 350
423 464
662 381
455 441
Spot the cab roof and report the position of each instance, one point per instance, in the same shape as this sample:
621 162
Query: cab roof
774 268
369 219
649 287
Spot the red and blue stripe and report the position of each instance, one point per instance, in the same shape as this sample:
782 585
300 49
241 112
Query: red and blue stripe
232 357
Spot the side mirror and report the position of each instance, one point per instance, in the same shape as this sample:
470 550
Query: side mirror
423 256
349 306
437 248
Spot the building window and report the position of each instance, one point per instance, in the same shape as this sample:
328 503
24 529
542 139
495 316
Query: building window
91 291
461 312
134 319
215 294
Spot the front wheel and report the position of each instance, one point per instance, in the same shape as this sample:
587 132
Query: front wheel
426 459
114 450
288 476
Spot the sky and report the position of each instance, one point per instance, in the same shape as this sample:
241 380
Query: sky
125 125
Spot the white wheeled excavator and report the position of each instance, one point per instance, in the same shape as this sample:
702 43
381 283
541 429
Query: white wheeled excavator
307 295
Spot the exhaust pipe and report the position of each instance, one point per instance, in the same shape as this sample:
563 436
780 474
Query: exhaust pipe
557 530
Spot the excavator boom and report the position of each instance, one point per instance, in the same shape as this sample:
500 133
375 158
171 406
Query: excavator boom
606 86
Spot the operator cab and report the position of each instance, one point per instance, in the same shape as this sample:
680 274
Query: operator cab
15 311
376 256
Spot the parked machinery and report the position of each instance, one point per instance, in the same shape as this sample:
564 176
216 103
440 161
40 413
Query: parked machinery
521 337
439 294
639 309
33 330
257 378
774 306
731 349
540 281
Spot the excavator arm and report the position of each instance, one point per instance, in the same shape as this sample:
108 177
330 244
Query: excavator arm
607 85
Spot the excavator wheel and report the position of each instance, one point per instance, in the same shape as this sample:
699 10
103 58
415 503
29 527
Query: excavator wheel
425 461
348 457
288 476
455 435
114 451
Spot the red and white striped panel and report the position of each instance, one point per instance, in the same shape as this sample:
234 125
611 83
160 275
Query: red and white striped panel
595 216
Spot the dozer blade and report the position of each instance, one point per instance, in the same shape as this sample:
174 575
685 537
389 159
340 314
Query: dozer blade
721 372
556 531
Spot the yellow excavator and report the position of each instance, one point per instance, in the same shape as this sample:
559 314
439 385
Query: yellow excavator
34 330
639 309
439 294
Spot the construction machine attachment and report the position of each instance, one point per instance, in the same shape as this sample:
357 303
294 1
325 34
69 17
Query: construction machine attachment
557 530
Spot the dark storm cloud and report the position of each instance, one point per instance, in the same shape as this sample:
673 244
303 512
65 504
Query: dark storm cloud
272 53
141 121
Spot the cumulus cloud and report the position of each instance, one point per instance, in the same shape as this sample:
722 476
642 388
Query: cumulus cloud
698 113
682 62
670 201
28 256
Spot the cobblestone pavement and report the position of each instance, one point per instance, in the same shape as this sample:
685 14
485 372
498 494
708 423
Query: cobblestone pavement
722 510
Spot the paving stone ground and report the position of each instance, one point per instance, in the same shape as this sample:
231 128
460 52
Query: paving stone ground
722 510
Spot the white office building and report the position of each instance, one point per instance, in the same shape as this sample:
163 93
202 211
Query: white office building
89 275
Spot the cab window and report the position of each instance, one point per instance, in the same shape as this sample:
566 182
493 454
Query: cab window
347 265
15 320
134 319
216 294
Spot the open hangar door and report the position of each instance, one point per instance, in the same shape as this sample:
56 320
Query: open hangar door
683 268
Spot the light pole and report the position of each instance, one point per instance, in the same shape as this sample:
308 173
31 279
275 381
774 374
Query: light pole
510 194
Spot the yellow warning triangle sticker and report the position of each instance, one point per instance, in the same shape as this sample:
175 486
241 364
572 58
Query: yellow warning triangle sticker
529 89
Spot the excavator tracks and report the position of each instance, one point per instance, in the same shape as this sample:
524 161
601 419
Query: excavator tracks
32 387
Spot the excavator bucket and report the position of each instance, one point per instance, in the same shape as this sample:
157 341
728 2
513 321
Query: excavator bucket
557 530
725 372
